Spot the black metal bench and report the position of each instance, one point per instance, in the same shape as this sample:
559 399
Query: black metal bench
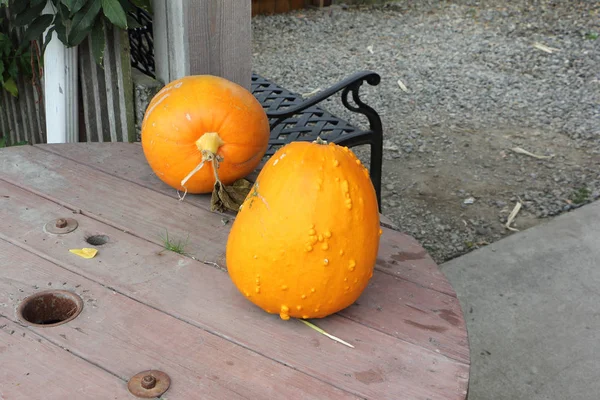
295 118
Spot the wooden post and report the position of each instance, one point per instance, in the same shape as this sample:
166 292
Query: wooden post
60 90
203 37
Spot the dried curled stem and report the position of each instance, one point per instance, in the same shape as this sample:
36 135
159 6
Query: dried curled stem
207 156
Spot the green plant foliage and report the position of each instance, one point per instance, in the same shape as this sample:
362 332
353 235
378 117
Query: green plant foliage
71 21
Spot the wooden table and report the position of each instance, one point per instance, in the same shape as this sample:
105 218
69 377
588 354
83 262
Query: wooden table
149 309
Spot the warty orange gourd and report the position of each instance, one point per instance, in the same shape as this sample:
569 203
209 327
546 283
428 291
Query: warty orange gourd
305 240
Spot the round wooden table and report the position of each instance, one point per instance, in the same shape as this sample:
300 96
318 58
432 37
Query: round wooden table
144 308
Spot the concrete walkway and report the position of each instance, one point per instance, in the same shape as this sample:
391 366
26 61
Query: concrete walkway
532 304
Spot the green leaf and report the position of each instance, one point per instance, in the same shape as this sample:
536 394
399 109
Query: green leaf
25 63
29 15
115 13
68 3
11 87
143 4
74 5
36 28
61 30
47 39
127 6
13 69
98 41
83 22
5 46
18 6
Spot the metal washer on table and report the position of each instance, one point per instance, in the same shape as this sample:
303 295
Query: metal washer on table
61 226
148 384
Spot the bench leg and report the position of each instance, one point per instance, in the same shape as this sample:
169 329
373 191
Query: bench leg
376 134
376 163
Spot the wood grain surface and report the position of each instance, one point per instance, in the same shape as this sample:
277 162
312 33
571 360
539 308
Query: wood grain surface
34 367
182 314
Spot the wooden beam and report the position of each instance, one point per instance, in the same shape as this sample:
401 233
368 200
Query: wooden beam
60 90
203 37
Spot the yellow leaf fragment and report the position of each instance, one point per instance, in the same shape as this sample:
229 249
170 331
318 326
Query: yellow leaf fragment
86 252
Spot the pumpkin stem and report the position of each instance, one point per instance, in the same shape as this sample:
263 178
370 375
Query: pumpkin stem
206 156
208 144
210 141
183 182
320 141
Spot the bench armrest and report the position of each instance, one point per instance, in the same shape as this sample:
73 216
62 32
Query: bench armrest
350 84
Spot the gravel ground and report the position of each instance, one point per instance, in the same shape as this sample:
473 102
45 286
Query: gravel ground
477 87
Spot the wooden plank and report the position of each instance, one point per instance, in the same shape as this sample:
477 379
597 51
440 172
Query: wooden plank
124 84
38 102
205 297
267 7
25 121
107 76
282 6
11 133
400 255
108 92
203 37
407 311
297 4
399 308
14 115
4 128
34 128
115 201
32 366
86 94
225 27
123 336
61 93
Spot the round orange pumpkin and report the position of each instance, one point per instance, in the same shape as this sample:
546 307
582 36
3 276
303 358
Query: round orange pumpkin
305 240
199 123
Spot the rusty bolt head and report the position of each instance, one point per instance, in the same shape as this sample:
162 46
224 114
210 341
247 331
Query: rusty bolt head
60 226
148 382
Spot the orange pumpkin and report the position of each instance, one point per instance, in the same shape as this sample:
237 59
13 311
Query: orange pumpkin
199 123
305 241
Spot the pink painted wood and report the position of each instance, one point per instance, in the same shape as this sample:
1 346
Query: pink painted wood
147 308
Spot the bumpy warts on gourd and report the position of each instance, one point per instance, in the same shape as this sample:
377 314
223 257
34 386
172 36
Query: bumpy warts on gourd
316 230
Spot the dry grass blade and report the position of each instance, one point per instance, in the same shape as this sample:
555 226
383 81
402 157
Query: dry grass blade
402 86
316 328
523 151
545 48
512 216
311 93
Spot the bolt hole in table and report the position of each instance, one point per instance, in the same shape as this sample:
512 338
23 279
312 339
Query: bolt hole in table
129 319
